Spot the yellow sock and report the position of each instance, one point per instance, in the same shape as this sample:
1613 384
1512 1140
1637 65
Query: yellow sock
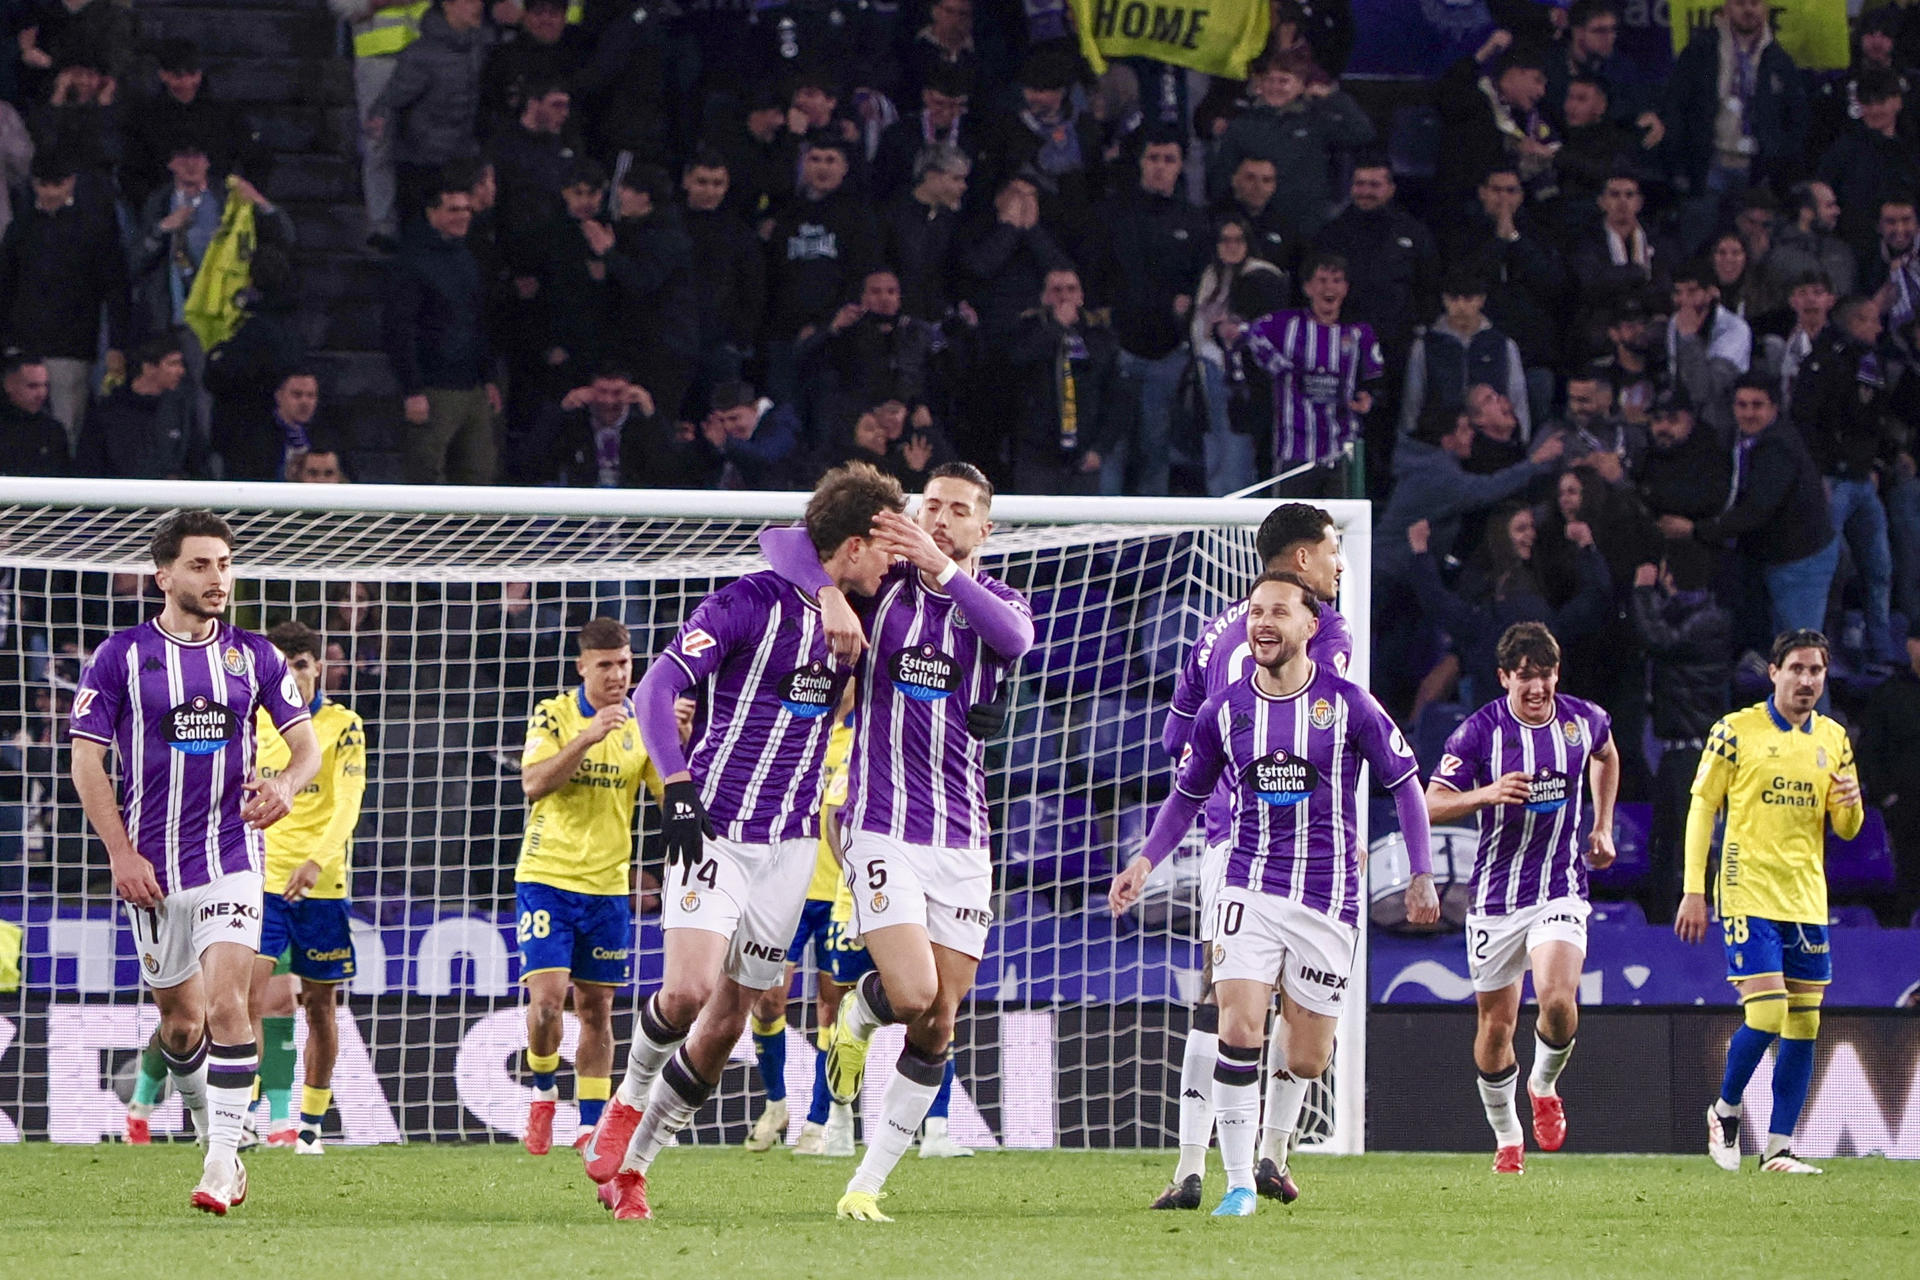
772 1028
313 1104
592 1088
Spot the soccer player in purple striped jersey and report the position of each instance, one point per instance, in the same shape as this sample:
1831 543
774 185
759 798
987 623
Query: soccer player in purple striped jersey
943 638
741 819
1303 540
1322 369
176 697
1518 763
1291 740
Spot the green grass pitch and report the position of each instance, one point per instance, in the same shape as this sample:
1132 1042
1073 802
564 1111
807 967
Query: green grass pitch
494 1213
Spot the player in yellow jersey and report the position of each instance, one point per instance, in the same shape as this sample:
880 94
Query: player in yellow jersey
305 901
1783 771
582 769
841 961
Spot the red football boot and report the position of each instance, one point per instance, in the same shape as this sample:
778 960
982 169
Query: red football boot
539 1136
139 1131
1510 1159
630 1196
1549 1120
607 1144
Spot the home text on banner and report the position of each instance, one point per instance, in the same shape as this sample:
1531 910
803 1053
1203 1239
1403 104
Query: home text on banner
1219 37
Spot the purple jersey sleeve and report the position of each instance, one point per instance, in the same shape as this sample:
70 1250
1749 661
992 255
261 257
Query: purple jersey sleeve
101 700
1463 765
733 616
1263 341
1599 730
1372 364
1332 643
1380 741
998 614
1204 757
279 692
789 550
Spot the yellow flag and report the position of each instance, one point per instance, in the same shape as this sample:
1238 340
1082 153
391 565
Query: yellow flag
1219 37
212 309
1812 32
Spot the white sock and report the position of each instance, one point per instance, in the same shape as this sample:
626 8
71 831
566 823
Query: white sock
190 1078
1286 1095
1196 1102
1236 1095
230 1071
1548 1063
654 1041
1496 1095
1776 1143
1729 1110
909 1094
677 1096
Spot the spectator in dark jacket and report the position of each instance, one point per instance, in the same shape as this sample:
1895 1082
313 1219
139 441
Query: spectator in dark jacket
531 156
1685 471
917 231
1779 519
51 31
543 50
1462 349
146 429
1153 247
869 351
1804 242
749 442
759 178
245 372
730 287
607 435
660 294
1526 281
1004 264
81 117
638 89
433 101
1069 402
823 242
942 121
1298 120
1840 406
1870 160
437 340
1727 132
1688 638
60 268
1054 143
1622 257
1593 29
175 226
32 441
184 106
1253 189
1491 113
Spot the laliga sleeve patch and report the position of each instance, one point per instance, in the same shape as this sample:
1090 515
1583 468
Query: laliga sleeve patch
1282 779
696 642
289 690
83 702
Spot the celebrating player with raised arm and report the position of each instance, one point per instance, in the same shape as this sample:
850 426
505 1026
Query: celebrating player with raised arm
1303 540
1783 771
943 637
1518 763
1291 740
305 904
175 697
741 819
582 769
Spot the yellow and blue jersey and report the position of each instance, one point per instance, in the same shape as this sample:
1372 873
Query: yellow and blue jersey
833 793
327 810
1775 781
579 836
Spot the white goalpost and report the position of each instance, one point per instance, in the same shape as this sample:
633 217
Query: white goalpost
448 613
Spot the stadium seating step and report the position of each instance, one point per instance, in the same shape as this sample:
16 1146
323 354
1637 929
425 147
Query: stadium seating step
297 127
343 325
250 31
312 81
323 226
314 177
350 374
341 275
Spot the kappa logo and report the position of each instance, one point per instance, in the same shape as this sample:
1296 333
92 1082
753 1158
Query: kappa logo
1241 720
151 664
696 642
82 701
234 661
1321 717
1194 1093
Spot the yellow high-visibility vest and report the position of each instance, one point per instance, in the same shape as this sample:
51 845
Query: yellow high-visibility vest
388 31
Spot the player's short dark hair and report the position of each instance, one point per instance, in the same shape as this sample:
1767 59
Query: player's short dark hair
971 474
1288 524
585 172
181 525
1322 261
1288 576
1799 638
1597 82
1877 84
452 183
1899 197
1581 12
845 502
1698 272
156 349
704 157
1527 644
604 633
14 359
1497 168
1463 282
1437 422
1847 308
1807 278
459 175
1757 382
294 637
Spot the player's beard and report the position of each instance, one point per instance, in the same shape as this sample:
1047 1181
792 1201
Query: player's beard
196 606
1285 651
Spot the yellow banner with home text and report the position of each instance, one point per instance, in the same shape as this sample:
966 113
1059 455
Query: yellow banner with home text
1219 37
1812 32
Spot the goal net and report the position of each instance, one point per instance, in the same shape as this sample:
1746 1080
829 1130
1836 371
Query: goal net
447 614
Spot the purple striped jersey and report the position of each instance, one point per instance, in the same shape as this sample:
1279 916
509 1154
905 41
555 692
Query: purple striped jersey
758 646
1317 368
1529 853
1292 766
917 774
1222 657
181 717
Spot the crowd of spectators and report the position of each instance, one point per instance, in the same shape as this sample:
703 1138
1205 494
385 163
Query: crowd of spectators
1639 359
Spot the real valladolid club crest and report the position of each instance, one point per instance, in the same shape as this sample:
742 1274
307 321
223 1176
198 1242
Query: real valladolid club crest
1456 19
234 662
1322 714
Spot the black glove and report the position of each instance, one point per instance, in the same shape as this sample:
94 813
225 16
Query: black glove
986 719
683 823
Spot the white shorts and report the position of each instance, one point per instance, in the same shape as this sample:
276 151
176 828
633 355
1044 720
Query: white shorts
171 937
946 891
751 894
1498 946
1265 939
1213 875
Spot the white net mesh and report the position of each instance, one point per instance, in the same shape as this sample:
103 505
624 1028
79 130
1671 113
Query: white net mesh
443 631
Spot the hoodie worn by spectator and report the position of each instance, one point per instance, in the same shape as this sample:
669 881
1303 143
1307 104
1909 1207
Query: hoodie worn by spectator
821 250
436 302
1300 139
130 436
1840 406
767 457
730 286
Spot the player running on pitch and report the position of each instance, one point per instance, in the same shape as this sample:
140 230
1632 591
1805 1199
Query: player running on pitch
1518 763
1782 771
1299 539
1291 739
175 697
752 780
